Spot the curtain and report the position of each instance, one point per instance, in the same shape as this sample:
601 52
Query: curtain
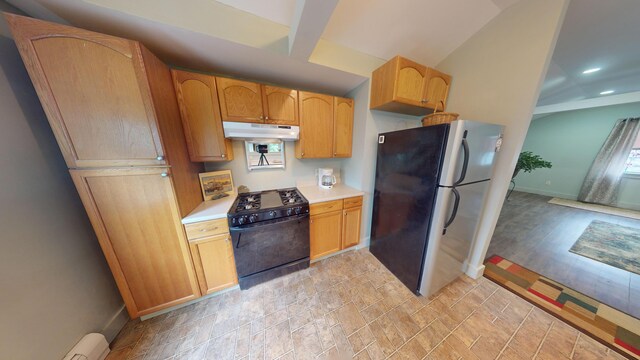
602 183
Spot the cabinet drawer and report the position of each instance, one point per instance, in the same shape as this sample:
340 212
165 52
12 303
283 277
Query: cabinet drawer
323 207
206 228
352 202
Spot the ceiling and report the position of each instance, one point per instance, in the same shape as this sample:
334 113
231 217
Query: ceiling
600 34
248 38
421 30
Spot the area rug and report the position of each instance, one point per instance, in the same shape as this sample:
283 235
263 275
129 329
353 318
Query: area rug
633 214
612 244
613 328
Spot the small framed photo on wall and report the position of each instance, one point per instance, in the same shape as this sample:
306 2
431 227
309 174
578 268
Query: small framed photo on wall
216 184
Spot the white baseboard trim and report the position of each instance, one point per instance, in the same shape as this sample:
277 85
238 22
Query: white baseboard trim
474 272
546 193
202 298
115 324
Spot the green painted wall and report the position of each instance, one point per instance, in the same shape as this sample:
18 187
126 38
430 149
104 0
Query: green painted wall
571 140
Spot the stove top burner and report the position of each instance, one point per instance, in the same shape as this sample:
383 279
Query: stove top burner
248 202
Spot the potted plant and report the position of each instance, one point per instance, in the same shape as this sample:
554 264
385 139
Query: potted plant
528 161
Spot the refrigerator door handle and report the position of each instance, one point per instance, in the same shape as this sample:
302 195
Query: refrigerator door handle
465 162
456 194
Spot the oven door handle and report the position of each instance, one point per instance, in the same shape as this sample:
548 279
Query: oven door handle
268 223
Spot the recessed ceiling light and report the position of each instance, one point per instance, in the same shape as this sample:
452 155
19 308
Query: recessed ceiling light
607 92
592 70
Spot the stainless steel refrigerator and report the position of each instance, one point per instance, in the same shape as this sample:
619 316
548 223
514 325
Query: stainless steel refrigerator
431 184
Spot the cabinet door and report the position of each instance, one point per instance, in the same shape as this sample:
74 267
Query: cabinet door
410 80
240 100
342 127
214 263
200 111
316 126
135 215
280 105
351 227
94 91
436 89
325 233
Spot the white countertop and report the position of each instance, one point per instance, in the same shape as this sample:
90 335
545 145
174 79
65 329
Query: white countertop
210 209
316 194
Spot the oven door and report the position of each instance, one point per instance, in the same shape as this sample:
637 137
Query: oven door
268 244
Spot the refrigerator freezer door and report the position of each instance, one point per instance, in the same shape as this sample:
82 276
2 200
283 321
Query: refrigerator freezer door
447 254
407 173
481 139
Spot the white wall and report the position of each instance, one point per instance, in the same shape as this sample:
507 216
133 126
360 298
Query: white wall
55 285
497 75
266 179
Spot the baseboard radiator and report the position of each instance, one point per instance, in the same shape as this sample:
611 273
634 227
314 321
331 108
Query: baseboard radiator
92 346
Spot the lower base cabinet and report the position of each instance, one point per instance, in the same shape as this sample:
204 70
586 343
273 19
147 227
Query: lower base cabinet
325 233
214 263
351 226
144 245
212 254
334 225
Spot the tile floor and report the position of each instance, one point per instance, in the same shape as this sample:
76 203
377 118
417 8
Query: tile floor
350 306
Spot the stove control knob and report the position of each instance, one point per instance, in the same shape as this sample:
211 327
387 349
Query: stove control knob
242 220
253 218
272 213
289 211
298 210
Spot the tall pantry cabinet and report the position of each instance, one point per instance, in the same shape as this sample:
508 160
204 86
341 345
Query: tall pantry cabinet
113 110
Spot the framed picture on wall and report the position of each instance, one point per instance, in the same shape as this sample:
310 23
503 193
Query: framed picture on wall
216 184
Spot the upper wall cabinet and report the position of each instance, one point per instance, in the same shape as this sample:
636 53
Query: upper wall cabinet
342 127
240 100
92 129
326 126
280 105
316 126
200 111
406 87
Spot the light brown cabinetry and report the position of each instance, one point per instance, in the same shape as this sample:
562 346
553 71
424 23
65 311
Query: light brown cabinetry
325 233
144 245
334 225
351 226
68 70
201 119
212 255
112 106
240 100
326 126
404 86
280 105
342 127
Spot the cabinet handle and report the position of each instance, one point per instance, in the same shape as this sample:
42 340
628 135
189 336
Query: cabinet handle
223 156
424 100
164 174
302 154
266 118
311 221
261 117
160 158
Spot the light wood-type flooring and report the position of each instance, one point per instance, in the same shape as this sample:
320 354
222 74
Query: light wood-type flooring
350 306
538 236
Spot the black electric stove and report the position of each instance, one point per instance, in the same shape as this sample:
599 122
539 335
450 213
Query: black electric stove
270 234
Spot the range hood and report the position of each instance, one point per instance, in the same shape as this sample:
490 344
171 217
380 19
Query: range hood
249 131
